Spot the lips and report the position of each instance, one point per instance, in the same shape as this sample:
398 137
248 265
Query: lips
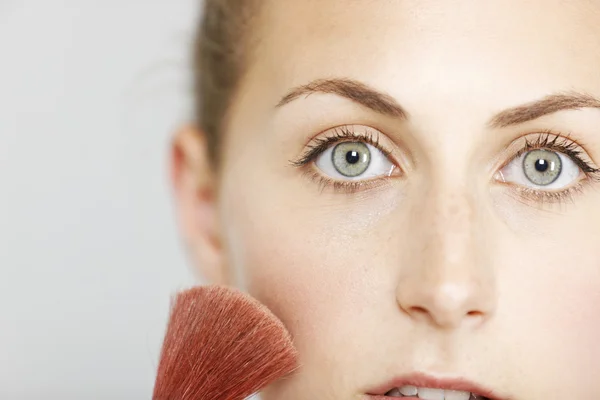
423 393
424 387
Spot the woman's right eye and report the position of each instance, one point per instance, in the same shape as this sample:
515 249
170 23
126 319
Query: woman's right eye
354 160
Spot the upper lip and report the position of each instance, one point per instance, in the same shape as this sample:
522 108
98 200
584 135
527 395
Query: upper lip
428 381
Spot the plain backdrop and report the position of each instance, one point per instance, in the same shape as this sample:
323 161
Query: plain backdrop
90 91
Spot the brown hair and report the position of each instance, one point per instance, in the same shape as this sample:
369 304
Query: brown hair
220 55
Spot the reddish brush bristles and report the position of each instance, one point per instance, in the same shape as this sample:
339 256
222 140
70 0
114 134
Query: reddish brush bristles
221 344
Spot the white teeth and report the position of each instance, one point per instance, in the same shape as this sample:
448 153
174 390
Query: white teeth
428 393
409 390
456 395
431 394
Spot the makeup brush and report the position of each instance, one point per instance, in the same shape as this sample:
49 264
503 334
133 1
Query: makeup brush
221 344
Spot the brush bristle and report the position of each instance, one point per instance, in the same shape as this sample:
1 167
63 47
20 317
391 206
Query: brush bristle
221 344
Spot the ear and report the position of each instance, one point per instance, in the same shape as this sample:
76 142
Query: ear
193 183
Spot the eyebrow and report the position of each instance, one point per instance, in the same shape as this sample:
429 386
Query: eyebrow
387 105
547 105
350 89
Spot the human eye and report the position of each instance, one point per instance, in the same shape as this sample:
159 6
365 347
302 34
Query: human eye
348 158
549 168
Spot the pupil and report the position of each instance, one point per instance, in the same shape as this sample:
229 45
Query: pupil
541 165
352 157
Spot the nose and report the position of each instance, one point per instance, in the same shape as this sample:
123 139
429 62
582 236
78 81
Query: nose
446 280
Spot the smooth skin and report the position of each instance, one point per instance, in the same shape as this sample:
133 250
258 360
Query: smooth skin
439 268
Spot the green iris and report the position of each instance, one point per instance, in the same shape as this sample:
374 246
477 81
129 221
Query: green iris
351 159
542 167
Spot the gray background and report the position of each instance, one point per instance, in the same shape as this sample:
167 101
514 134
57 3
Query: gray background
89 93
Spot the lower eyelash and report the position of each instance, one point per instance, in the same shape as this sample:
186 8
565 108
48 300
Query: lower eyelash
543 197
346 187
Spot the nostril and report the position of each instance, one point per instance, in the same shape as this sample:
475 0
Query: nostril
419 310
477 315
475 318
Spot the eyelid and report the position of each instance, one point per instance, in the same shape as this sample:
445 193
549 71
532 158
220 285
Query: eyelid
345 133
553 141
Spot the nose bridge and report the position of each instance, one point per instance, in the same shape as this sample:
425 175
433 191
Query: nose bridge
453 220
447 281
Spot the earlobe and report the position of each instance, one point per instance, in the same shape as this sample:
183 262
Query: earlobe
194 190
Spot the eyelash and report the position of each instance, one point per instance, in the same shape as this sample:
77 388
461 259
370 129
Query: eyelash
547 140
340 135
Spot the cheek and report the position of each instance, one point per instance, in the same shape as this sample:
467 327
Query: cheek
310 261
572 309
550 307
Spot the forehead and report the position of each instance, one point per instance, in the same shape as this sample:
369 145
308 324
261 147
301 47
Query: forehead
534 43
372 21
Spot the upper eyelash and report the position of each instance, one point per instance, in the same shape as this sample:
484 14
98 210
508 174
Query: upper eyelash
338 135
552 141
545 140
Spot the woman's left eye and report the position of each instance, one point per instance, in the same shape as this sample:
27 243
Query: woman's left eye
354 161
541 169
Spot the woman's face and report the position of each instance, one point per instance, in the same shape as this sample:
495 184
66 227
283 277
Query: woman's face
412 187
